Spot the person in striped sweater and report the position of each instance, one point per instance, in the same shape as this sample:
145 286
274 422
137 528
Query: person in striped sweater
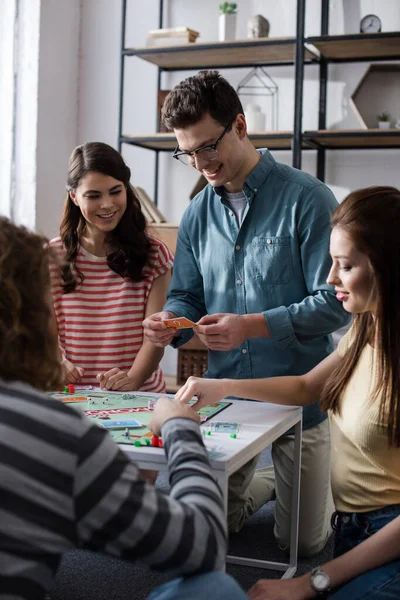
64 483
116 274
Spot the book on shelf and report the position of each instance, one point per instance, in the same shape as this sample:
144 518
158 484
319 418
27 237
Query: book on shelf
171 37
151 213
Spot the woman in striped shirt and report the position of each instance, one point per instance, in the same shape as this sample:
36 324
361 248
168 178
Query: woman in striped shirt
115 276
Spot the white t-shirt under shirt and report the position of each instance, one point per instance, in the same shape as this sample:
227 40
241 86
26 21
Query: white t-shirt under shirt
100 322
237 203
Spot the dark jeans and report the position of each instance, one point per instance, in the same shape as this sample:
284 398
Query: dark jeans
351 529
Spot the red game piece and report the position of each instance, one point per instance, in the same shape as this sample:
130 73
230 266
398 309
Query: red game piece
71 388
155 441
160 443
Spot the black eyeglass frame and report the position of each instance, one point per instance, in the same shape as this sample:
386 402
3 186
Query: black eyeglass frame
213 147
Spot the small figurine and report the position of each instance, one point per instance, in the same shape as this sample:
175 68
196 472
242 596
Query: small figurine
258 27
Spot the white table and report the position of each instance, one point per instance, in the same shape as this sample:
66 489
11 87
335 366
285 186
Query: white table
260 425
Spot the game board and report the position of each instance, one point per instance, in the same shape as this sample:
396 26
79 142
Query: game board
119 409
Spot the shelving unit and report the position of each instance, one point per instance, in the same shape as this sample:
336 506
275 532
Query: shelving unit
284 51
295 51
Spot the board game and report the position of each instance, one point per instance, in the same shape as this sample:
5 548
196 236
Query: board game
125 415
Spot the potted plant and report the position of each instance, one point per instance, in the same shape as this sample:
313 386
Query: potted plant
383 120
227 21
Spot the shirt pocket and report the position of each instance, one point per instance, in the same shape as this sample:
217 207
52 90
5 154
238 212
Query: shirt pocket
272 259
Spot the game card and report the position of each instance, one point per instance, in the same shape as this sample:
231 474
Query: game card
179 323
121 424
224 427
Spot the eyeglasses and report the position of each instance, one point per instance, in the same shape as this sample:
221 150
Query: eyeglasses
205 153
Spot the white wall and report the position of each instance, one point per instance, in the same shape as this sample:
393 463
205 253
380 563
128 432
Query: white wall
58 99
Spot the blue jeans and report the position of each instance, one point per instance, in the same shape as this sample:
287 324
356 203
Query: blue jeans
210 586
382 583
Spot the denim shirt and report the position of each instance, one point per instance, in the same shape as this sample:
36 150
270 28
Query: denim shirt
276 263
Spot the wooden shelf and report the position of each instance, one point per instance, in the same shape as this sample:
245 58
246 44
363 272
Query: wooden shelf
354 139
279 140
360 46
238 53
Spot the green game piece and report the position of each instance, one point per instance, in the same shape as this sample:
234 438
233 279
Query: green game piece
65 390
233 435
147 442
137 443
208 432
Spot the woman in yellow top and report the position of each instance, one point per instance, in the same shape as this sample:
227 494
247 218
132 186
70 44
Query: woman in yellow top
359 385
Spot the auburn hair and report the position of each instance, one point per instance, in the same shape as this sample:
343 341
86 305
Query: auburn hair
371 218
28 332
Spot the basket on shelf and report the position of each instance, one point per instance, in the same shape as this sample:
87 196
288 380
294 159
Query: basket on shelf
192 360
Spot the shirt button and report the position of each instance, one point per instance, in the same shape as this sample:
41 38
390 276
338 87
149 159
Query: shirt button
255 190
269 241
237 247
231 213
244 351
239 282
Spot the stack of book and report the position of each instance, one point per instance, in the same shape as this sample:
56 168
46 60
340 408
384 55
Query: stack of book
150 211
174 36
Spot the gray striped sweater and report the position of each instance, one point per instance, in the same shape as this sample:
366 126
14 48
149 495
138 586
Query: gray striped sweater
65 484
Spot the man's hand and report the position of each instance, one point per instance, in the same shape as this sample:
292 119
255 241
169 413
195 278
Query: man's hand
166 409
155 330
115 379
72 374
282 589
222 331
207 391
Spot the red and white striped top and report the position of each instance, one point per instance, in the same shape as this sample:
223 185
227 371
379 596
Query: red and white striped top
100 322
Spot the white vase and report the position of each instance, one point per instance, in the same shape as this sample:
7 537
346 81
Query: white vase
227 27
384 124
255 118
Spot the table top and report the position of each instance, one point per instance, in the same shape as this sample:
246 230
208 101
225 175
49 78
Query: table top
261 423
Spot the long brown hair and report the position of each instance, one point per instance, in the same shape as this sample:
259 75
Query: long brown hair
130 243
371 217
28 338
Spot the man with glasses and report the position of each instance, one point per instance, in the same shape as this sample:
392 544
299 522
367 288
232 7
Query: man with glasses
251 263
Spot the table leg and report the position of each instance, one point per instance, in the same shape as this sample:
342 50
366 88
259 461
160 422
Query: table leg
294 519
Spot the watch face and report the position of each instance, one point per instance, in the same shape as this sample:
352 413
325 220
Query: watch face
320 580
370 24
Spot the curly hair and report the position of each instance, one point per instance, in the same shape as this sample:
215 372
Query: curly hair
194 97
129 240
371 217
28 339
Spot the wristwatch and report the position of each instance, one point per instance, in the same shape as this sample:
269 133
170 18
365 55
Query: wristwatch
320 582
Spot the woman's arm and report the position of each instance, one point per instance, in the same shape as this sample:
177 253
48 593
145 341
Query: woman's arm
149 355
381 548
291 390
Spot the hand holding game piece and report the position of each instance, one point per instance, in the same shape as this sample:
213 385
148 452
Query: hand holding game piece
115 379
72 373
208 391
222 331
156 331
166 409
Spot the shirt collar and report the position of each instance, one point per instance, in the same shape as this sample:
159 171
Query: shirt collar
258 175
